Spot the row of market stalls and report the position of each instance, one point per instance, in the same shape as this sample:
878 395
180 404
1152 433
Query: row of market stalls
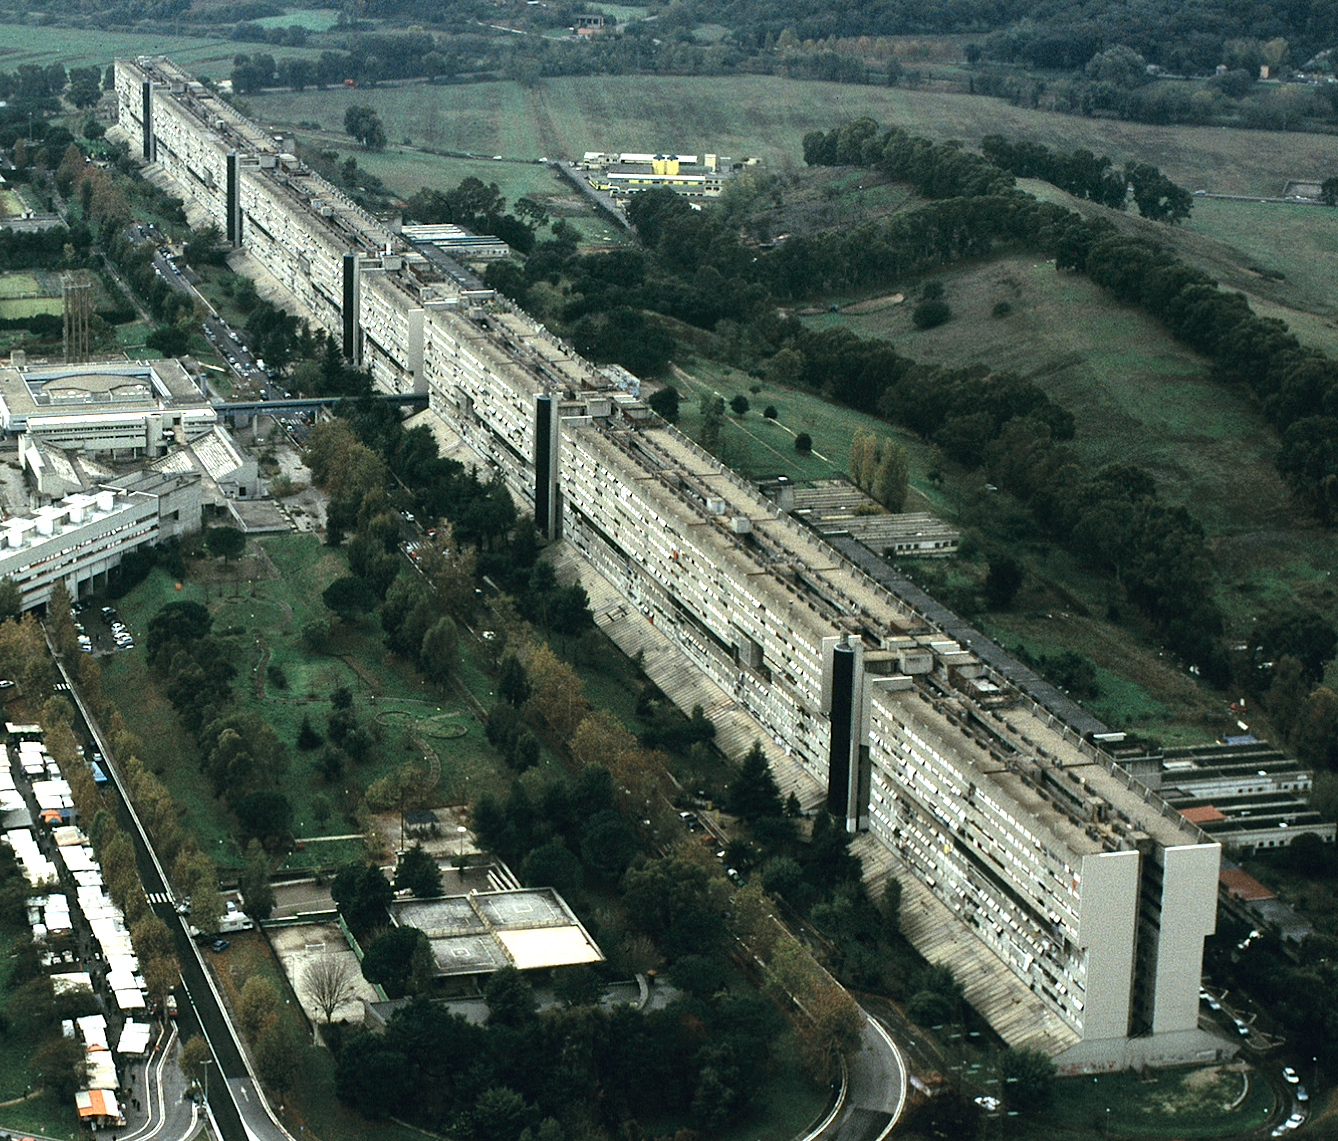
83 937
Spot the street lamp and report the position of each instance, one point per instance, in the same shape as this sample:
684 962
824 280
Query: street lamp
207 1062
460 831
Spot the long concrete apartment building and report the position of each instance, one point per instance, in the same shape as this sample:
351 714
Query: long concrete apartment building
1074 901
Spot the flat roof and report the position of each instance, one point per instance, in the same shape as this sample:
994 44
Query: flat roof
482 932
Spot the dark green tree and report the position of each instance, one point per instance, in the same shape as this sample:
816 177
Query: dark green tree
362 894
257 891
510 998
400 960
364 124
1029 1079
418 872
664 403
754 793
350 598
225 542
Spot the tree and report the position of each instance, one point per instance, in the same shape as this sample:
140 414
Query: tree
257 1005
399 960
1029 1079
803 443
577 985
329 982
557 699
11 599
754 793
193 1059
1002 581
512 682
372 1077
664 402
441 651
1328 191
170 340
227 542
256 889
608 843
364 124
418 873
509 997
278 1055
740 404
930 314
267 816
349 597
362 894
62 1067
712 408
554 865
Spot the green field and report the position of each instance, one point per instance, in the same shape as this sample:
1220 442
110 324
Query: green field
1186 1102
1137 395
313 19
20 44
767 116
266 615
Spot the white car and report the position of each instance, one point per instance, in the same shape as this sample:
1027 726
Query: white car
1291 1075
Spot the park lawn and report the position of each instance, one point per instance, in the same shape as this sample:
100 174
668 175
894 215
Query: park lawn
1190 1101
42 1114
313 19
265 616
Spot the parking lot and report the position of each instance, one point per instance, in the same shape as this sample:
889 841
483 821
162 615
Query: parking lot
100 629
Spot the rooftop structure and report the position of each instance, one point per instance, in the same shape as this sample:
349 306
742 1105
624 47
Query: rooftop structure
127 408
834 507
1076 896
485 931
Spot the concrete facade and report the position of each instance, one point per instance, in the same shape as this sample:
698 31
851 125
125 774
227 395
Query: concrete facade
84 536
1086 897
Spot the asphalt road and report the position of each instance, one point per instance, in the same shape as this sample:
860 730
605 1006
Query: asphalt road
237 1103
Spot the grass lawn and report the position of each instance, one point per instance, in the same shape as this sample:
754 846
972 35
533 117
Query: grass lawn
264 617
1193 1101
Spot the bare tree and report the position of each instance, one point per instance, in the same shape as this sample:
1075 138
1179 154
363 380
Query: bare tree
329 982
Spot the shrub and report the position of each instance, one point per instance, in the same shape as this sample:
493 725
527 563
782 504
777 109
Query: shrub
929 314
1001 309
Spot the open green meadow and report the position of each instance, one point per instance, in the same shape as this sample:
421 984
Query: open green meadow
11 204
313 19
75 47
1136 394
767 116
265 615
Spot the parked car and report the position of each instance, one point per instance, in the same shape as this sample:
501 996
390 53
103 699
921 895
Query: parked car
220 945
1291 1075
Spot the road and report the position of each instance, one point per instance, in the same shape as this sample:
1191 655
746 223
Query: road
875 1091
237 1105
